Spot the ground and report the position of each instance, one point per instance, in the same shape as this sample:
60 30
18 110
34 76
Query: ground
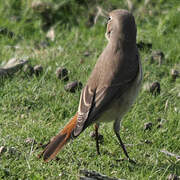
34 108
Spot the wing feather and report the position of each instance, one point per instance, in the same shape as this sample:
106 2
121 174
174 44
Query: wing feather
94 101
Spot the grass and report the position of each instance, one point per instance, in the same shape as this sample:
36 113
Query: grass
38 107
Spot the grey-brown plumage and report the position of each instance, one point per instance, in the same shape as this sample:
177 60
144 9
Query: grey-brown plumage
112 86
115 80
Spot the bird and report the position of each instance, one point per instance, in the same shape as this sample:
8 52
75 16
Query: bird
111 89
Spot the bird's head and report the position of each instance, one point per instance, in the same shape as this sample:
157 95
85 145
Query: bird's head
121 26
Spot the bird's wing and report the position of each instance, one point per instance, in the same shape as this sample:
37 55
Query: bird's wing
86 103
93 102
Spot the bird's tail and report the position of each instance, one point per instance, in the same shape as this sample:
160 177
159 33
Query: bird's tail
59 141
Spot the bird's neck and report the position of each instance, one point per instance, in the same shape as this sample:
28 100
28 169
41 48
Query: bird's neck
122 44
122 40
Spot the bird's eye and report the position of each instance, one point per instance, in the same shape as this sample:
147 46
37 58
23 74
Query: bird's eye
109 18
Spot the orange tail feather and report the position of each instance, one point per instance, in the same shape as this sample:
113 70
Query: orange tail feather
59 141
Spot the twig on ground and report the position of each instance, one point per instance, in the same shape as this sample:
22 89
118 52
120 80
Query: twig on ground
171 154
93 175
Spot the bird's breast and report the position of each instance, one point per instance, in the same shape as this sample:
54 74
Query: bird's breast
118 107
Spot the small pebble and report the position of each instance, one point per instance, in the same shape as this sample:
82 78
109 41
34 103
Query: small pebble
159 126
148 126
62 73
2 149
155 88
38 69
87 53
174 74
161 122
148 141
30 141
73 86
173 177
22 116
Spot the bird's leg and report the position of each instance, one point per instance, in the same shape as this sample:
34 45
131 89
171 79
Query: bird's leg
97 138
116 130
